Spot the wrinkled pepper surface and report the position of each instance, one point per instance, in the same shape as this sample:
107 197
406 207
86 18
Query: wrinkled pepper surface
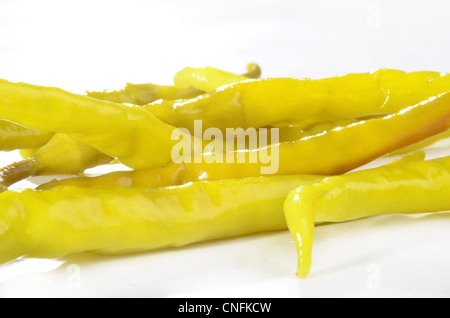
68 220
329 153
254 103
410 187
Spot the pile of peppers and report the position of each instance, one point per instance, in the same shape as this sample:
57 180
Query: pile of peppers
327 128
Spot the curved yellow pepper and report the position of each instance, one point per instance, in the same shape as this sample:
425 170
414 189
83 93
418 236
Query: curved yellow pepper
67 220
410 187
254 103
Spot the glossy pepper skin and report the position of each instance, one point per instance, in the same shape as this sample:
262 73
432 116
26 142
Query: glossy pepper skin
251 103
332 152
14 137
304 102
410 187
69 220
63 155
130 133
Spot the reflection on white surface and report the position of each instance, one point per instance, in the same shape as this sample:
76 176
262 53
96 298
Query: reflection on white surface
26 266
98 44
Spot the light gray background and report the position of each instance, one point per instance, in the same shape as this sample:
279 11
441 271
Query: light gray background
88 44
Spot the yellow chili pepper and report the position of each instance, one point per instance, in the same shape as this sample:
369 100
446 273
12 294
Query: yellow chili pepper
409 187
303 102
332 152
91 135
61 155
184 88
132 134
65 155
14 137
260 103
67 220
255 103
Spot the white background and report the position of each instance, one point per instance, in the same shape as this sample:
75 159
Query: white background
94 45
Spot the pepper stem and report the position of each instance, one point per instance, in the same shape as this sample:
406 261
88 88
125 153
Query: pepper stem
253 71
17 171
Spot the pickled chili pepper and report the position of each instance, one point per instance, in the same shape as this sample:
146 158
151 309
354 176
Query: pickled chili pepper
131 134
67 220
304 102
412 78
143 94
332 152
254 103
61 155
64 155
410 187
14 137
